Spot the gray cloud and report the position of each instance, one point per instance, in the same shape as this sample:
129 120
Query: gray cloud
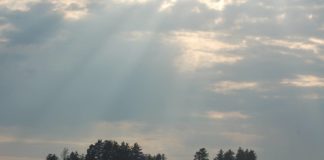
116 66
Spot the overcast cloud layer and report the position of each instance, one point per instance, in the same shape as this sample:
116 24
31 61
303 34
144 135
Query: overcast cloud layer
172 75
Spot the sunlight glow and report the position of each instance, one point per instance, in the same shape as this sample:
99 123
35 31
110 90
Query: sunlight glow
167 5
226 115
202 50
226 87
305 81
221 4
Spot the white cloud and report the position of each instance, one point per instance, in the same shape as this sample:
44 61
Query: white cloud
203 41
4 28
281 18
18 5
219 20
225 115
311 45
294 45
202 50
193 60
317 40
71 9
131 2
226 87
167 5
304 81
220 5
196 10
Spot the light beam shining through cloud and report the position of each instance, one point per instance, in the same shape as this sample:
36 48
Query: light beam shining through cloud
172 75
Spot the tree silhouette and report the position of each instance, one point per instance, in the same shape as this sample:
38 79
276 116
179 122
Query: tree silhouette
51 157
229 155
75 156
64 154
137 153
220 155
111 150
240 154
251 155
201 154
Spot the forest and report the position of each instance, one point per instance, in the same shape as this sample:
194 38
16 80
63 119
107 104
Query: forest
112 150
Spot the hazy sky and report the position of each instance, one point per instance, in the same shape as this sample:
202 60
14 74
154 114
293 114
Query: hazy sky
172 75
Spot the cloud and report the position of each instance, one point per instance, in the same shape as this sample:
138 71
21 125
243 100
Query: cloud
305 46
218 20
202 50
66 55
281 18
317 40
294 45
220 5
21 5
131 2
6 139
35 26
225 115
305 81
226 87
196 10
71 9
4 28
192 61
167 5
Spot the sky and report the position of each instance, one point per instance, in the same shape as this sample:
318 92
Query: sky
172 75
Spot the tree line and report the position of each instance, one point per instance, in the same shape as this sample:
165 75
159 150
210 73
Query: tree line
108 150
112 150
241 154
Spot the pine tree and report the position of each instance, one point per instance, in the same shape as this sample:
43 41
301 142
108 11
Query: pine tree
136 152
201 154
220 155
229 155
95 152
51 157
240 154
123 152
108 150
163 157
64 154
74 156
251 155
